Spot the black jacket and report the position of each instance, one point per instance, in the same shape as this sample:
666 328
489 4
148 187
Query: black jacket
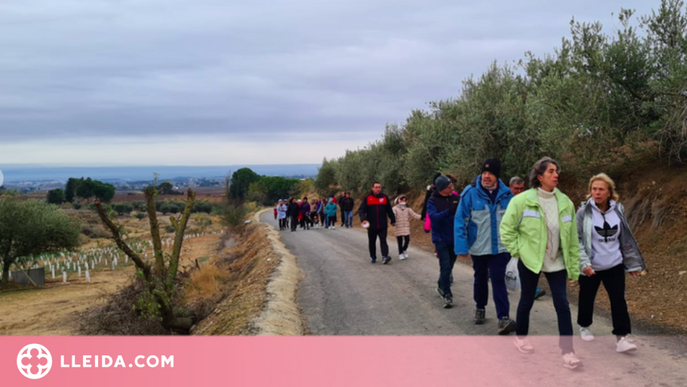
347 204
377 210
428 194
292 210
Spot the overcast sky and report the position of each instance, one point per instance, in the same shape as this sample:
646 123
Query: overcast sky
218 82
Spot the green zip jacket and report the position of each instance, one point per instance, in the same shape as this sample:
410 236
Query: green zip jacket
523 231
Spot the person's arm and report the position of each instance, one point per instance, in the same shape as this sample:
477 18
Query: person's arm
424 204
585 260
460 226
414 214
508 228
362 211
390 211
574 246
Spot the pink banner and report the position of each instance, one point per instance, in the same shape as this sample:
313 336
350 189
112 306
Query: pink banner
318 361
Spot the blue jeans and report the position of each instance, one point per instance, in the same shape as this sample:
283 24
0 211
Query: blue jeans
558 284
494 267
348 218
447 259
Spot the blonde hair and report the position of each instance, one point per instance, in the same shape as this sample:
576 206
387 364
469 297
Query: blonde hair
609 183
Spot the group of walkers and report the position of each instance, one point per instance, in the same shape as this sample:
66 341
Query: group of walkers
293 213
491 223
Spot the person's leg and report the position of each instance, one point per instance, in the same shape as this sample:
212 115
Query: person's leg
559 293
343 218
528 286
350 219
444 253
480 287
614 282
382 241
399 240
585 303
294 223
406 242
497 273
372 243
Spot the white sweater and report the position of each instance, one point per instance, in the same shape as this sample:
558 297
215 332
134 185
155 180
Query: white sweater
553 258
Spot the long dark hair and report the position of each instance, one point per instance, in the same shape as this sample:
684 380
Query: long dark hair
539 168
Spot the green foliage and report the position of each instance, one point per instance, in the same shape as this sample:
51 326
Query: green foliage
140 215
122 208
234 214
87 189
240 182
33 227
599 100
70 189
76 205
56 196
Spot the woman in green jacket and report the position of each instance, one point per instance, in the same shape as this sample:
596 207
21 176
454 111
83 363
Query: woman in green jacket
539 228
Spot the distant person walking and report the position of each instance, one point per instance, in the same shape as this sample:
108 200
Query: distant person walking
305 214
539 228
293 212
282 208
376 211
403 214
607 250
441 209
477 223
347 204
343 216
331 214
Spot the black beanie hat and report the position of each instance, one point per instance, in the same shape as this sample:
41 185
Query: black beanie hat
493 166
442 182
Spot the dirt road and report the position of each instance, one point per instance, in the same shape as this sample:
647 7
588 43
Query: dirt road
343 294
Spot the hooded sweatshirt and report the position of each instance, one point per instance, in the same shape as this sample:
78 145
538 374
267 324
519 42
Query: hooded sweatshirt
606 230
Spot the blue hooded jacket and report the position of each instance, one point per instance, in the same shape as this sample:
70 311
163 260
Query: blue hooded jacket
478 220
439 212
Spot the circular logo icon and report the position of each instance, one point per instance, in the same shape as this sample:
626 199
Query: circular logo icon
34 361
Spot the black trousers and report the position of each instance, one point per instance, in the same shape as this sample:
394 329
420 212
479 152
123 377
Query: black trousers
403 242
614 282
372 239
282 224
294 223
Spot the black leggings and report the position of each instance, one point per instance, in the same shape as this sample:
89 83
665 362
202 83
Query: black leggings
403 242
282 224
614 282
294 223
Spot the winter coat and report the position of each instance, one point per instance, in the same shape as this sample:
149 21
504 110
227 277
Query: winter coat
377 210
281 211
346 204
403 215
293 210
439 211
330 209
305 209
524 233
478 219
632 257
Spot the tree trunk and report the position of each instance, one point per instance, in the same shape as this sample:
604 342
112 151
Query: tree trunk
6 263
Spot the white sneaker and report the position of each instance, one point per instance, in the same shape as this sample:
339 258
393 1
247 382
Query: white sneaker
625 345
570 360
401 257
405 254
586 334
333 227
523 345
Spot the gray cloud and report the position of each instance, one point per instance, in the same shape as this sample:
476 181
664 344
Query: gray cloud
243 69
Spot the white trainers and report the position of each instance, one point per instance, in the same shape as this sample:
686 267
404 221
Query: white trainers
571 361
523 345
625 345
333 227
401 257
586 334
405 254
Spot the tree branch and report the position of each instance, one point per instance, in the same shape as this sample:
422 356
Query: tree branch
155 232
179 237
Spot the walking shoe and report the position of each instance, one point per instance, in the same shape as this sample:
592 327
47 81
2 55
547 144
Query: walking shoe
405 254
401 257
539 293
448 302
506 326
373 260
441 292
625 345
479 316
586 334
385 260
333 227
571 361
523 345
